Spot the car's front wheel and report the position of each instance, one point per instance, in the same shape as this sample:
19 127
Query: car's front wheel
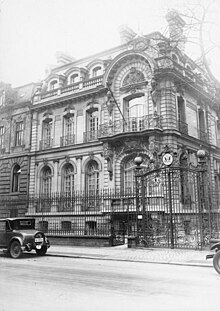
42 251
15 249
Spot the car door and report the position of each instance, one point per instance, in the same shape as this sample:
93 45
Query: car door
3 235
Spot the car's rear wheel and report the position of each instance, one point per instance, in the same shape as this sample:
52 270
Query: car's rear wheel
42 251
15 249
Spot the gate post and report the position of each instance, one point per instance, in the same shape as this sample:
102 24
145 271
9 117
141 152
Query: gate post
138 161
170 209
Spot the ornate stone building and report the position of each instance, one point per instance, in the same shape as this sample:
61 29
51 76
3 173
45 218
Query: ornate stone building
91 117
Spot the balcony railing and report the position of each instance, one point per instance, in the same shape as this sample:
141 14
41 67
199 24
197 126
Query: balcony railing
46 144
67 140
90 136
130 125
87 84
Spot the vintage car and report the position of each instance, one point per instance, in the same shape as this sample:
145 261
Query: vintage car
18 235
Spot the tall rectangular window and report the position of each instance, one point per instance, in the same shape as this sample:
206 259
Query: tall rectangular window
2 137
69 127
19 133
92 124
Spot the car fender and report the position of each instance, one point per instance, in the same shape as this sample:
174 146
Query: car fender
16 238
215 246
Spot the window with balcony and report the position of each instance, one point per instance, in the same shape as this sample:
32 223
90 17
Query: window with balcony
135 113
19 133
69 136
68 179
46 177
16 172
92 121
46 134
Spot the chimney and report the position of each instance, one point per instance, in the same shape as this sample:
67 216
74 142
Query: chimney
126 34
176 29
63 58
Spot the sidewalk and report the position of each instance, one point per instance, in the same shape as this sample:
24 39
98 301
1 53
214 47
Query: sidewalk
122 253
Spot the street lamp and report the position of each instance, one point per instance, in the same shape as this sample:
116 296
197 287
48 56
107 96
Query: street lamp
138 161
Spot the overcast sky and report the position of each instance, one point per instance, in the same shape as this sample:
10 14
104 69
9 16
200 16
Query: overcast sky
31 31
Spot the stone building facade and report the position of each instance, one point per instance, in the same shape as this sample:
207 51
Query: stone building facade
15 135
89 119
96 114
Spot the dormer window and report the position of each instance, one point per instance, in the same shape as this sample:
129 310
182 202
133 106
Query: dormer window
97 71
74 78
53 85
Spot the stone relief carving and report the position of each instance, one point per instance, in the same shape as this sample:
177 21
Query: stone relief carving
108 155
134 76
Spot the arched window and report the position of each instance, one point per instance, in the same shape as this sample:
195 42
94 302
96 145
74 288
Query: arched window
74 78
127 172
129 177
135 111
16 178
53 85
68 179
92 177
97 71
135 107
46 177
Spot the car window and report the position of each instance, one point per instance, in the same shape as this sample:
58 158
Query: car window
2 226
20 224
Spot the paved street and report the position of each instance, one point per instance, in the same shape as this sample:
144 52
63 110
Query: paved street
56 283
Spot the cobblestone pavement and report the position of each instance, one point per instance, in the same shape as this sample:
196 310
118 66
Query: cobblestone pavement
169 256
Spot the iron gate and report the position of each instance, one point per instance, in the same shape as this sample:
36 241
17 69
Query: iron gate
173 207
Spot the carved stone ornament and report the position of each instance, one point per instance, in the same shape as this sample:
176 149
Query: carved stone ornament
128 147
91 155
154 145
110 103
139 44
108 155
134 76
67 159
107 150
45 161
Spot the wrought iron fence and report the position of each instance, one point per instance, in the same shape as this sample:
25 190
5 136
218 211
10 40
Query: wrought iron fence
97 213
120 215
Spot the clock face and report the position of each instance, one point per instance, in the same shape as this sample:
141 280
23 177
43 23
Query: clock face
167 159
